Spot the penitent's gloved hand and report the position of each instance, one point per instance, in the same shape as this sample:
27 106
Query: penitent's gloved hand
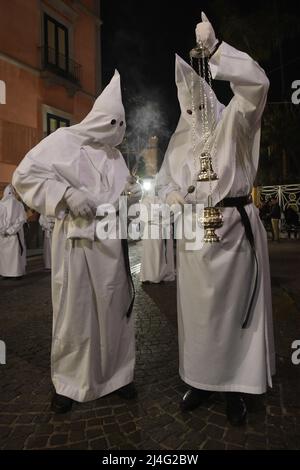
133 191
175 197
205 33
80 203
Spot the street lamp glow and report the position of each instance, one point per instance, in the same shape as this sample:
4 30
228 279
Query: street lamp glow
147 185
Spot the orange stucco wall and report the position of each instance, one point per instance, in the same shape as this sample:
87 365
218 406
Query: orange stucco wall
85 51
82 105
20 30
26 90
22 92
6 172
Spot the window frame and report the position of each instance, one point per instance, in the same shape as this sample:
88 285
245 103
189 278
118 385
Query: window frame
58 119
57 26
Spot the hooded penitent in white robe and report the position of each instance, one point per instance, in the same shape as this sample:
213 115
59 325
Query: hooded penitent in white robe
12 243
47 224
93 348
157 263
3 218
216 281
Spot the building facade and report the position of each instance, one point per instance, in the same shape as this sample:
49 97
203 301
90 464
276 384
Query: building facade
50 71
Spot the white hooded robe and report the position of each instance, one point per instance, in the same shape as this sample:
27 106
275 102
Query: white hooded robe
47 224
215 282
93 346
12 242
157 263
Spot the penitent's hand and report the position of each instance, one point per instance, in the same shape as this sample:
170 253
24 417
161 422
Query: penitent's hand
79 203
133 190
175 198
205 33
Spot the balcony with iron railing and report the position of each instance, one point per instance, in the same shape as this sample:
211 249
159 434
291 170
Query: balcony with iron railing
60 64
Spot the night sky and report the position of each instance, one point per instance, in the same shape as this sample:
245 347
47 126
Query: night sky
140 39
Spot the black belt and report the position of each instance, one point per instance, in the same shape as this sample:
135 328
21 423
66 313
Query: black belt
240 203
124 244
166 249
20 244
235 201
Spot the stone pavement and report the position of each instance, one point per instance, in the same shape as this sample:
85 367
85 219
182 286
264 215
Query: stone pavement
154 420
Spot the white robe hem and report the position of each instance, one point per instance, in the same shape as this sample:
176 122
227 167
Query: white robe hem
121 379
225 387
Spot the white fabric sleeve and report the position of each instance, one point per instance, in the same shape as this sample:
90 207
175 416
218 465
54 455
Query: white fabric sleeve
38 188
17 217
248 81
43 221
164 182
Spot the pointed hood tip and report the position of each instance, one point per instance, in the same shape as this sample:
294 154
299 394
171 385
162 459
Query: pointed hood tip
178 57
181 69
180 62
182 65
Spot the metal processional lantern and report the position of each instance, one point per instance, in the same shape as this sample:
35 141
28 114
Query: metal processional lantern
212 217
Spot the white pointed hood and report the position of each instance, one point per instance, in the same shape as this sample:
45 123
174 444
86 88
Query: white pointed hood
179 158
8 193
15 212
105 123
189 86
71 154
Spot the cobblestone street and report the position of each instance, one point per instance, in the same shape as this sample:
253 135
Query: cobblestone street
153 421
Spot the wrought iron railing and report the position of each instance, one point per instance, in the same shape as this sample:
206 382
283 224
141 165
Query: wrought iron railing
287 194
60 64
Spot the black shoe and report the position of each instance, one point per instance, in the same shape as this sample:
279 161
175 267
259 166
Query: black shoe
61 404
236 409
128 392
193 398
